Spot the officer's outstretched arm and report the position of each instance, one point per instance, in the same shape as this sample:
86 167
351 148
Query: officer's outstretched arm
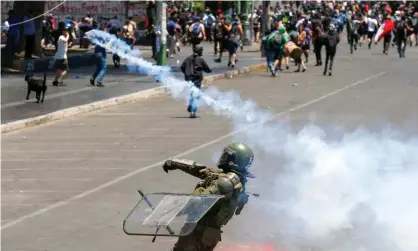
187 166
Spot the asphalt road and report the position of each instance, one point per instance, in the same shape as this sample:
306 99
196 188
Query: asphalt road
79 91
68 185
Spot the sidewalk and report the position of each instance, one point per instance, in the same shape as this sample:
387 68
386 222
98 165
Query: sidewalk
78 90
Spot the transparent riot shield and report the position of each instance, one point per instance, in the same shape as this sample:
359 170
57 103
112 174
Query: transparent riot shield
168 214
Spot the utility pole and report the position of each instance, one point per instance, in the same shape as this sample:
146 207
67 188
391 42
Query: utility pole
264 18
161 32
246 25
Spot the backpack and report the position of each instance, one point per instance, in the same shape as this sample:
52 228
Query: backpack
209 21
274 40
400 27
171 27
196 30
234 33
355 25
218 31
256 21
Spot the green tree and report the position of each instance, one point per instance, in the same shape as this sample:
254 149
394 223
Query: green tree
198 5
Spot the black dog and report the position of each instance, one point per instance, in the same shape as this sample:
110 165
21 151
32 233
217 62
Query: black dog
36 85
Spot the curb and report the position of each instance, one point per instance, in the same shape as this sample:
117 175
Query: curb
69 112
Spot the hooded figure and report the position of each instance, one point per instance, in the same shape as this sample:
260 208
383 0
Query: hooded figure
193 68
331 41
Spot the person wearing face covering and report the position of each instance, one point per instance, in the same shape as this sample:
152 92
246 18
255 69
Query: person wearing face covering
193 68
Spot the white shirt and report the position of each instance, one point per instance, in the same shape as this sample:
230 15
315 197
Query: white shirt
371 24
62 47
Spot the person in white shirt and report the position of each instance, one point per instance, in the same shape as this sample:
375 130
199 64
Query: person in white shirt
61 61
371 29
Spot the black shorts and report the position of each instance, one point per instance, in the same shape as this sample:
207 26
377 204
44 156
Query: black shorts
305 47
196 40
61 64
370 34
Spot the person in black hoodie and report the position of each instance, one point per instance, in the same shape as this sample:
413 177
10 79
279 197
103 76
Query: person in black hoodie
331 41
193 67
317 37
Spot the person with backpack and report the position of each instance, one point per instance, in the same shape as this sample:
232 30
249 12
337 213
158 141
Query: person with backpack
273 46
233 32
217 36
304 39
234 40
197 32
193 67
209 21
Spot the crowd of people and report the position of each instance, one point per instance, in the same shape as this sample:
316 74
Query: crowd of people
292 32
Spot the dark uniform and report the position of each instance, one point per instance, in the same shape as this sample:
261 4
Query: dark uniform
229 180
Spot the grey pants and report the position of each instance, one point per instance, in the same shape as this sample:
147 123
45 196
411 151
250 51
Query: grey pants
171 44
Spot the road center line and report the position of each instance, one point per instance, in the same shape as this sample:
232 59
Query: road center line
126 176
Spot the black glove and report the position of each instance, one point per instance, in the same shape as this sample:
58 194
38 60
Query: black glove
168 166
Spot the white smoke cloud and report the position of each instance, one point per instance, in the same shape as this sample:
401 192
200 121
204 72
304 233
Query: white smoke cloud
354 193
358 192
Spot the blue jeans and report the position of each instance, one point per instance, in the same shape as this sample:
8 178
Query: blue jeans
101 67
272 56
194 98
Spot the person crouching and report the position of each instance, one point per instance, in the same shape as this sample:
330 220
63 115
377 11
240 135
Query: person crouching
192 68
295 52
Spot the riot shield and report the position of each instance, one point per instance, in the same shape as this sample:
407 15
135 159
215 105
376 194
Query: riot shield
168 214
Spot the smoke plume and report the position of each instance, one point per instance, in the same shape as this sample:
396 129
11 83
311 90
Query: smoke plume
356 193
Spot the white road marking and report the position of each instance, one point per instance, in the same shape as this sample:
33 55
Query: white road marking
123 177
74 159
64 169
50 151
31 180
3 204
40 191
118 136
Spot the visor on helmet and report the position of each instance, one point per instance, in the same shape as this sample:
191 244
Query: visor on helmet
228 158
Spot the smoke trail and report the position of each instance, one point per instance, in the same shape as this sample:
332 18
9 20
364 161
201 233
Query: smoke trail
352 194
226 104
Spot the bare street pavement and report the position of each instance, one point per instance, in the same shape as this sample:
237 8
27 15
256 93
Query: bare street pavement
68 185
